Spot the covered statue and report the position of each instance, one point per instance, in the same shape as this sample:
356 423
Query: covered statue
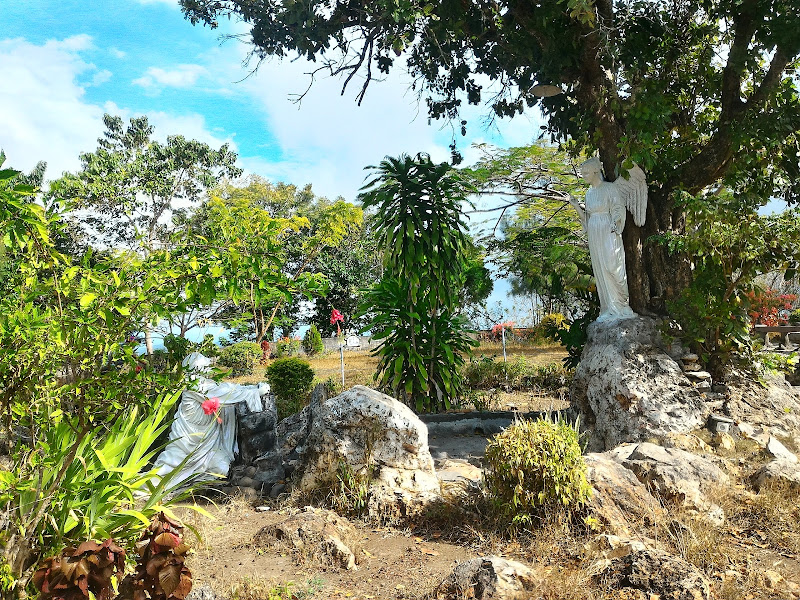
603 219
202 441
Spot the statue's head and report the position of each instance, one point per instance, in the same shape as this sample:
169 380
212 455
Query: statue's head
590 167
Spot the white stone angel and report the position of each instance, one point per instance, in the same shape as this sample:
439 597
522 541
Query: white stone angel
603 219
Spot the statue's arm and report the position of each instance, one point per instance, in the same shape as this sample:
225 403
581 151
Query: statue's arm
618 214
580 210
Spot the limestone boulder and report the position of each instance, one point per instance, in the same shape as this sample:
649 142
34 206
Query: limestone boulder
488 578
375 436
629 389
676 475
780 471
771 405
630 565
314 532
619 500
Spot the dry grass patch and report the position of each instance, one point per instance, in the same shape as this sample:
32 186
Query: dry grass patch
257 588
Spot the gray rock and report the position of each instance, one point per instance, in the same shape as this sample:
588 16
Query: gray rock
269 469
629 389
779 451
777 471
677 475
317 532
690 358
376 434
692 368
256 430
277 490
488 578
699 375
773 407
203 592
630 564
620 501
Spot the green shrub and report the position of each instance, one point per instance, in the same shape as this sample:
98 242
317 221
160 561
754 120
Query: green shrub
312 341
240 357
291 380
287 347
536 466
177 347
551 324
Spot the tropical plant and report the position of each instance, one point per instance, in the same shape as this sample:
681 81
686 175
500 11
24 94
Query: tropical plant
290 380
287 346
81 573
419 228
533 467
160 571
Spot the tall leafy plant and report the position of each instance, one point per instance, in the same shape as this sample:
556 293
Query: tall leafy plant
419 228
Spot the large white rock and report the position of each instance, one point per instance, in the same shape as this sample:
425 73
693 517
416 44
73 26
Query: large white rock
373 434
628 388
781 471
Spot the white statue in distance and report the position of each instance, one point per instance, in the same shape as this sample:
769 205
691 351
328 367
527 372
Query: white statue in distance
603 219
207 437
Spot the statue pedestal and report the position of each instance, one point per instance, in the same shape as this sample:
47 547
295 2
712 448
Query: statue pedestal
628 389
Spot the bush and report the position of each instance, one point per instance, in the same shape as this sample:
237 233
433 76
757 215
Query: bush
177 347
240 357
536 466
312 341
291 380
287 347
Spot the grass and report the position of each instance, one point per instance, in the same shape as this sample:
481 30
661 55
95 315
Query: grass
256 588
360 367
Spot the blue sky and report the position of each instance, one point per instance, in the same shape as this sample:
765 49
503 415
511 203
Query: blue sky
63 64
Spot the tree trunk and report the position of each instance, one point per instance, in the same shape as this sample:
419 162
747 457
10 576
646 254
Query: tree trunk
655 276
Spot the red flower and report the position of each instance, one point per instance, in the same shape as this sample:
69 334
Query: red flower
211 405
138 368
336 317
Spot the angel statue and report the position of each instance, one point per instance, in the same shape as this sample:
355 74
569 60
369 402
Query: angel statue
603 219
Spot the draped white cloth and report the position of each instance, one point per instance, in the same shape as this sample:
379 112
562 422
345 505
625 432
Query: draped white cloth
206 445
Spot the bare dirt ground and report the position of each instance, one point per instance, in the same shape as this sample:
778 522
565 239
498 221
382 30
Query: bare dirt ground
394 563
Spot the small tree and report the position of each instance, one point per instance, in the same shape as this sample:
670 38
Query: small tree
423 238
312 341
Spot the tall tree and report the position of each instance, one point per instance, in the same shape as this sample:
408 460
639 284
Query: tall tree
310 227
126 190
700 93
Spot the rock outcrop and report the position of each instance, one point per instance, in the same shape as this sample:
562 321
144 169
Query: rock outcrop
377 437
676 475
779 471
488 578
628 564
629 389
619 500
317 533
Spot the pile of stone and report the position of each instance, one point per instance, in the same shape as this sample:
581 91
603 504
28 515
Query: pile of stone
694 371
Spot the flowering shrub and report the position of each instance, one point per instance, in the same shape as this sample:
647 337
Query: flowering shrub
497 331
770 308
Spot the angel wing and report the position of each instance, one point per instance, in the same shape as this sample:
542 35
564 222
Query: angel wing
633 192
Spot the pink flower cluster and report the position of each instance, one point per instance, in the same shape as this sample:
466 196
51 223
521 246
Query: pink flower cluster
211 406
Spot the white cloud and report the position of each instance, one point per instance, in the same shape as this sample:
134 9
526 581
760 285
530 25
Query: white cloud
45 115
181 76
327 140
117 53
101 77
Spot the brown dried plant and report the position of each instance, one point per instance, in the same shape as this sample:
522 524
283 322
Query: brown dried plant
76 572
